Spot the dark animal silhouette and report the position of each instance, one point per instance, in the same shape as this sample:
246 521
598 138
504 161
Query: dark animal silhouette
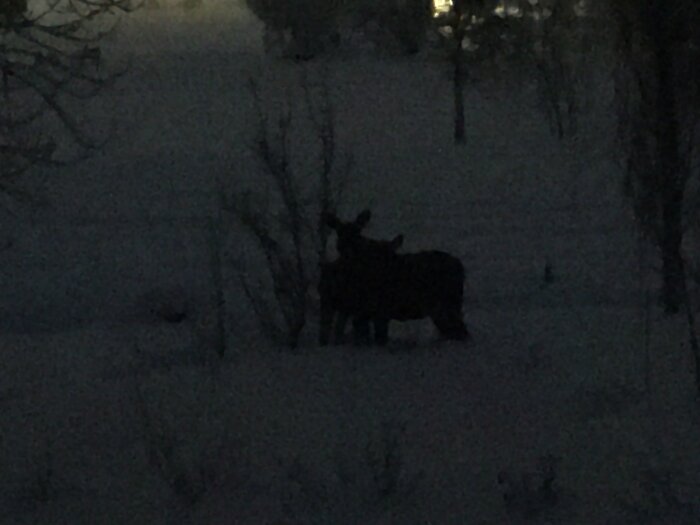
372 282
342 299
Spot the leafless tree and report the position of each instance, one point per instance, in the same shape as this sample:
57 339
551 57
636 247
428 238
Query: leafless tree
555 28
658 105
472 32
288 234
49 58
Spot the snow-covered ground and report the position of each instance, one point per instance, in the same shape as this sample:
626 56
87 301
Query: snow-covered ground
110 415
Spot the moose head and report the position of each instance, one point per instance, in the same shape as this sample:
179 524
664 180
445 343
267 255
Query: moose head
345 282
352 244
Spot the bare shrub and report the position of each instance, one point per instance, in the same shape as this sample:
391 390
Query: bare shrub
170 305
533 494
371 484
50 63
45 483
186 444
384 459
279 213
662 496
611 400
217 335
42 486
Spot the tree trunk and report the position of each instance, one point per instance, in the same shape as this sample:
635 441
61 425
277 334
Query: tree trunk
669 165
458 86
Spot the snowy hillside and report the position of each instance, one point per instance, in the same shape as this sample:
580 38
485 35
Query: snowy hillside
111 415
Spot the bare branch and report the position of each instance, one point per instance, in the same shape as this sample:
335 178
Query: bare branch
47 59
285 234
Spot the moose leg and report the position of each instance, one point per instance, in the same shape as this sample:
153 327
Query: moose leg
360 327
441 323
381 331
326 324
450 325
339 333
458 329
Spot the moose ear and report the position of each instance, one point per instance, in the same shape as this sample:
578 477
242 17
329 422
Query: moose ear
396 242
363 218
330 220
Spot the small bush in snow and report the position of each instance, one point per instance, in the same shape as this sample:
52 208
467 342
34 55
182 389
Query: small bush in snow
42 487
385 459
170 305
43 483
529 495
660 498
369 487
186 446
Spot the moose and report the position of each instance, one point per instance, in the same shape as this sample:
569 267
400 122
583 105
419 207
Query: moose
370 282
342 299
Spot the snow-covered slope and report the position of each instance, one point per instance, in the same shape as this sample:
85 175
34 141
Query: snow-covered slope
110 415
